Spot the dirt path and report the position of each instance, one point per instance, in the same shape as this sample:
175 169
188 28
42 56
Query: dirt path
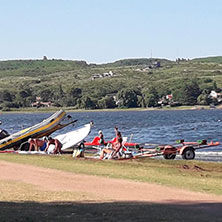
104 188
94 198
100 188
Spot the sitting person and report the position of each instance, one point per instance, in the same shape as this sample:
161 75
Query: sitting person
101 138
38 144
115 146
55 142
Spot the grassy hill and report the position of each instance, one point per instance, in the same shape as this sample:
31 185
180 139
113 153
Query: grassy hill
216 59
137 74
138 62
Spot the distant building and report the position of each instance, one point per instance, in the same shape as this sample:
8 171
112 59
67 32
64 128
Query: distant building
105 74
166 100
215 95
169 97
38 103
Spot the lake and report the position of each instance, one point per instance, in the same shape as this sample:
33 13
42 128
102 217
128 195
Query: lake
159 126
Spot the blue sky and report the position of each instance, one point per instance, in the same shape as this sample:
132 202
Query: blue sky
100 31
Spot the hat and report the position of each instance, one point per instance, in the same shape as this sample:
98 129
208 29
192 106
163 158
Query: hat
100 131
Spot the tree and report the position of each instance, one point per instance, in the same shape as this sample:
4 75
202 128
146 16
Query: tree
58 96
73 95
151 97
150 100
61 93
106 103
127 98
86 102
204 99
46 95
140 101
215 88
75 92
25 93
6 96
187 93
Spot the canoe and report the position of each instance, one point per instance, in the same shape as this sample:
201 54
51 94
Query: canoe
44 128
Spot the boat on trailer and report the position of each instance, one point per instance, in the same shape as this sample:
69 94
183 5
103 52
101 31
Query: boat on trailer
185 149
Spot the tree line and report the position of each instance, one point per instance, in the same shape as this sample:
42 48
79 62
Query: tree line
187 92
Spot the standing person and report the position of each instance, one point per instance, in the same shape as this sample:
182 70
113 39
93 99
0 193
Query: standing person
119 138
39 144
101 138
55 142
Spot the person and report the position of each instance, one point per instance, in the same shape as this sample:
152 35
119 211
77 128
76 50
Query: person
119 138
116 146
56 142
101 138
38 144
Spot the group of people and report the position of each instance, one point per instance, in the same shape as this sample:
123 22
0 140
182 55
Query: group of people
43 144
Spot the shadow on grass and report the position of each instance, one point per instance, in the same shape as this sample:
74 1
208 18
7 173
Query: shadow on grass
112 211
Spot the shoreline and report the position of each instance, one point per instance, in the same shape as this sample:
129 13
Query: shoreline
70 109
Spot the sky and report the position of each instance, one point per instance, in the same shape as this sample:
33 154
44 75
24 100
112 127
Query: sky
101 31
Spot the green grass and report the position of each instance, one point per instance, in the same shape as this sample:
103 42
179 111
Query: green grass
189 175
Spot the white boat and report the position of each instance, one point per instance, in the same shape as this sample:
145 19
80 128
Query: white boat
69 140
72 138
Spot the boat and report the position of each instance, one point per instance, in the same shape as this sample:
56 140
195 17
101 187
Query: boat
45 128
185 149
72 138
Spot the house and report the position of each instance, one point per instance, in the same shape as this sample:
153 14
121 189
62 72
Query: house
105 74
215 95
166 100
38 103
169 97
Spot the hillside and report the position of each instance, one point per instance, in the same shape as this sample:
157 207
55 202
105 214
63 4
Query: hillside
82 85
216 59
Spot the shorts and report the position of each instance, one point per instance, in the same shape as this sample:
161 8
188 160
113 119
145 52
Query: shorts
42 148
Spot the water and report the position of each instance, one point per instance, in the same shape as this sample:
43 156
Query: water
161 127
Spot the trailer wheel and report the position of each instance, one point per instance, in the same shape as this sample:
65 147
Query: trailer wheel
188 153
169 156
